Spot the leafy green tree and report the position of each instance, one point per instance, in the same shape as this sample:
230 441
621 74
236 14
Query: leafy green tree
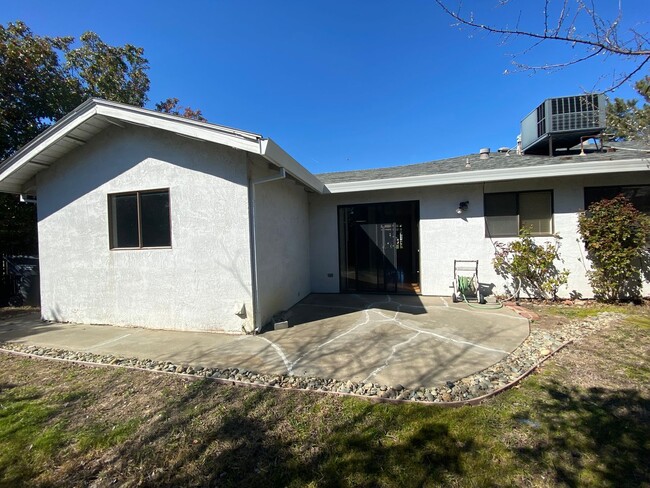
42 79
626 120
34 88
171 106
615 235
117 73
17 226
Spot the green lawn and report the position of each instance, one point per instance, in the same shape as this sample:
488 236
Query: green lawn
581 421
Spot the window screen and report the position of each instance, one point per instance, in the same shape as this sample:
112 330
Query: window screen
154 211
506 214
124 225
501 216
535 212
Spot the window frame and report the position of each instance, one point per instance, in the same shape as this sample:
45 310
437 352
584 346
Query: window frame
518 214
619 191
137 194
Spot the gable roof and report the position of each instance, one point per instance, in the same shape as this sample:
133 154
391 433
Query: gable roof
18 171
498 167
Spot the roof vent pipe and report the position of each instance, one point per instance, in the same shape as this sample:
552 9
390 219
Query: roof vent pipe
484 153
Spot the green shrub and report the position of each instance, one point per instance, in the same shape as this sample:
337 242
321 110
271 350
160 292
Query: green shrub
530 267
615 235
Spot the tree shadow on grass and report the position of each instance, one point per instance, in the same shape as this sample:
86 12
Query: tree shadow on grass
595 433
223 436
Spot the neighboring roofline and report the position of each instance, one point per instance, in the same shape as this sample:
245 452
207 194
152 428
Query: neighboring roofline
491 175
202 131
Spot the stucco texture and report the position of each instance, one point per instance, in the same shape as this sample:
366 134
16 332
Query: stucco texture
199 283
282 230
446 236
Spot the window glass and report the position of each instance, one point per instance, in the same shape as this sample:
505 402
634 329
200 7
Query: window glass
507 213
638 195
139 219
124 213
501 217
535 212
500 204
154 212
502 226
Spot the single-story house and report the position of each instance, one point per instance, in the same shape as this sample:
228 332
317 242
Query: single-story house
153 220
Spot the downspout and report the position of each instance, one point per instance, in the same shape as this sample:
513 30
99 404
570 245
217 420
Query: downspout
251 198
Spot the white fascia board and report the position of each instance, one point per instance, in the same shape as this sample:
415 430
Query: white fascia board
483 176
202 132
46 139
279 157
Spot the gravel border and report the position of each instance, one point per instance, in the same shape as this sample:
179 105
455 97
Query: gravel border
472 389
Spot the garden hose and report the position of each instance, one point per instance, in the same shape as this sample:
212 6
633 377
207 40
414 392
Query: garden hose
466 287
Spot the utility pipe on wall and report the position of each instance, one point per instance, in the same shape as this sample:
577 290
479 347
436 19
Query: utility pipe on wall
251 198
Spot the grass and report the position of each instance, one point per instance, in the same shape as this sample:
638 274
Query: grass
577 313
581 421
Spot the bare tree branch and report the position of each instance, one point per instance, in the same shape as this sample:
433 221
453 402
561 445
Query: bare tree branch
601 37
612 48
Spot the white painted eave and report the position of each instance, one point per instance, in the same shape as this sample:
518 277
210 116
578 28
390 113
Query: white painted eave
279 157
89 118
505 174
202 131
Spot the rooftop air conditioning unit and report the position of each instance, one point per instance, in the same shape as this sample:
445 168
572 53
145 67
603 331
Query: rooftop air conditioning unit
561 122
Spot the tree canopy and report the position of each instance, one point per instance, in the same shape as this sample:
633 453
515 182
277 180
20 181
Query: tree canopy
172 106
626 120
42 79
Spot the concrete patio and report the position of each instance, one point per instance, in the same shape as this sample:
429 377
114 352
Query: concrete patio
387 339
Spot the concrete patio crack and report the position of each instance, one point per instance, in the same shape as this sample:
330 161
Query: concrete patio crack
439 336
282 355
390 356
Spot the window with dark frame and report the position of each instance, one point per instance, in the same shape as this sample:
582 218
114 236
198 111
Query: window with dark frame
506 214
638 195
139 219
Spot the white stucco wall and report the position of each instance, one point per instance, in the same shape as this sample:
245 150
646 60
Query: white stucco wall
195 285
445 236
282 229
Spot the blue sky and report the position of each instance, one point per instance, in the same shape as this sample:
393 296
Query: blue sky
339 85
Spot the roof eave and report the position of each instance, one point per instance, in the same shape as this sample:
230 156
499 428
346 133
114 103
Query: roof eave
280 158
45 139
493 175
120 113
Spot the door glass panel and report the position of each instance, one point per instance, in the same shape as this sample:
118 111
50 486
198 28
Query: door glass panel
378 246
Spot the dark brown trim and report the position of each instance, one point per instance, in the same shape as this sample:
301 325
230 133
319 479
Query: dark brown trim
137 194
487 232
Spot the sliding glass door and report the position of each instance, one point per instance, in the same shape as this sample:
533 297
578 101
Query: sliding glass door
378 247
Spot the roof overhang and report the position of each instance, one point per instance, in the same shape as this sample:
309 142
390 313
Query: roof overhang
492 175
17 173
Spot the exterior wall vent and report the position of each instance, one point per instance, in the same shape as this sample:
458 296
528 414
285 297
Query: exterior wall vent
560 122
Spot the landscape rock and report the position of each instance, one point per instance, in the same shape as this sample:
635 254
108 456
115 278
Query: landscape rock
537 346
